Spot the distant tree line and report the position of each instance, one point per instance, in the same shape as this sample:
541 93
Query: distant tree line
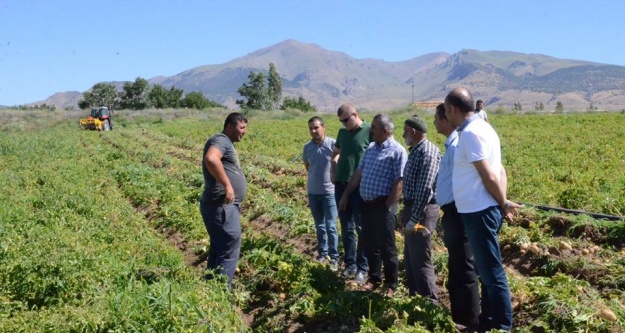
138 95
42 107
262 92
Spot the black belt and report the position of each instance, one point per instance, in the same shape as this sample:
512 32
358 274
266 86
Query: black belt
376 200
341 183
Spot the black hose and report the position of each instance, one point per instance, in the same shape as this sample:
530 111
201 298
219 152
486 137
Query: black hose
576 212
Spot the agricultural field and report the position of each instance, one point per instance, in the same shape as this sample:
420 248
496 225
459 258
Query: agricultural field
101 231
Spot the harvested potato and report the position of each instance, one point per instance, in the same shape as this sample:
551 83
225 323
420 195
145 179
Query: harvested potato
565 246
607 314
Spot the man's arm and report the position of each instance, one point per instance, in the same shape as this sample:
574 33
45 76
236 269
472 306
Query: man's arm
496 187
396 190
425 178
336 153
216 169
353 183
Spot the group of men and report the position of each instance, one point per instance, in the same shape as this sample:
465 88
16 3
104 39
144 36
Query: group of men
361 176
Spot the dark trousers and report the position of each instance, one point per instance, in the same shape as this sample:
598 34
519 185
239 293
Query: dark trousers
482 230
351 228
462 283
223 225
378 233
420 276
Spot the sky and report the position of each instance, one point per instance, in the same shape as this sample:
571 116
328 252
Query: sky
69 45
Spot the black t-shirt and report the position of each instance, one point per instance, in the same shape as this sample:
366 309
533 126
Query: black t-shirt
213 191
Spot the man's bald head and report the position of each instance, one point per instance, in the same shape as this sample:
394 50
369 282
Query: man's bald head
345 109
460 98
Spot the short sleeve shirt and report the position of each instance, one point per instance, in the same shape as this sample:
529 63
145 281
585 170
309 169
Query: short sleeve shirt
477 141
214 191
381 166
352 145
318 157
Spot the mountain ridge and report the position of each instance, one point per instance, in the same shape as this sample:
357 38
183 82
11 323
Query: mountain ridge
328 78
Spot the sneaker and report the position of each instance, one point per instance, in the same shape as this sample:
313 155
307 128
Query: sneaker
360 278
321 260
334 265
350 273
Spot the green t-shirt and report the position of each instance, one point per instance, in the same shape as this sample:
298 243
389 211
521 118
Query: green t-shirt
353 145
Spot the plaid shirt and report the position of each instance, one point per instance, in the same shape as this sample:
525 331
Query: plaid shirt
381 166
420 177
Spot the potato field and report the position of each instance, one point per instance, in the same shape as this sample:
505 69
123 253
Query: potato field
101 231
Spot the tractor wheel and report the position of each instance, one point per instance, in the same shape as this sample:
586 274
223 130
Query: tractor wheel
106 126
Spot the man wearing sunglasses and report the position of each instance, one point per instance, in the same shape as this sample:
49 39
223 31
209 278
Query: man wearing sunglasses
351 143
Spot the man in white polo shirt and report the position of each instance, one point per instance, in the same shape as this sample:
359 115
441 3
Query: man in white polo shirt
479 189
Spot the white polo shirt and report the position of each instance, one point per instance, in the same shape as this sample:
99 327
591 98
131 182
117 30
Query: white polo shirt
477 141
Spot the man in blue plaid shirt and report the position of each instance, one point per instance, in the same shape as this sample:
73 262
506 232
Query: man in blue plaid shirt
379 175
420 213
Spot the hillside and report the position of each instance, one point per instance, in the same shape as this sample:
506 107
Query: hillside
328 78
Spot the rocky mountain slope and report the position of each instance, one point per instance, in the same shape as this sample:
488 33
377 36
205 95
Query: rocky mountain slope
329 78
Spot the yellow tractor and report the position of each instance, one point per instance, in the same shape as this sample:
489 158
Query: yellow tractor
99 119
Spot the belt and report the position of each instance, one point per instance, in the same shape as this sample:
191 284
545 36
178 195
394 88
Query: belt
376 200
341 183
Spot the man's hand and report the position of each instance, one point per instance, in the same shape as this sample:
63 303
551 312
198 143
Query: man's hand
413 228
229 195
409 228
343 202
510 209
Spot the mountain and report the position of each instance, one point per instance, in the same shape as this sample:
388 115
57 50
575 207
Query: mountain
329 78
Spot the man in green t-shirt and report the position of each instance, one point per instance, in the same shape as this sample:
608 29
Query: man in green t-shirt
350 146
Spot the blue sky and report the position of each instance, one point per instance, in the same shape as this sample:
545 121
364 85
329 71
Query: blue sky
69 45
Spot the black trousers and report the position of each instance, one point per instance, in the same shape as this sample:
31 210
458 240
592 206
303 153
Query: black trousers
378 231
462 283
420 275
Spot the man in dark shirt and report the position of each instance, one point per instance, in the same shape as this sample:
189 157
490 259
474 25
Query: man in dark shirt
224 190
350 146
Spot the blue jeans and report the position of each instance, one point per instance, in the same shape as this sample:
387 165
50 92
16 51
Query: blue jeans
323 210
482 230
223 224
351 225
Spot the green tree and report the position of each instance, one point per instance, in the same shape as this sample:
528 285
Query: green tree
174 97
559 107
101 94
135 94
196 100
256 93
274 86
82 104
160 98
297 103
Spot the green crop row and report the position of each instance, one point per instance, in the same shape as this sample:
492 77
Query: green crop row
85 216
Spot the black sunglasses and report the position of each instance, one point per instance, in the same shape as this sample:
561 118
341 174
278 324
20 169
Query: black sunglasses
344 120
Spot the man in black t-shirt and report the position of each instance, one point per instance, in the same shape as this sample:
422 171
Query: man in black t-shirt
224 190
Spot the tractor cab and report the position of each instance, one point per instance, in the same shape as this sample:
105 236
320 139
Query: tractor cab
99 119
100 113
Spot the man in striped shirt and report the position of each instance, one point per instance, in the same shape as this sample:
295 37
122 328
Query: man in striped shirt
380 176
420 213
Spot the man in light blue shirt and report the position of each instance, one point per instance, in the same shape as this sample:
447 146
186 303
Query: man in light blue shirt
317 156
462 281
